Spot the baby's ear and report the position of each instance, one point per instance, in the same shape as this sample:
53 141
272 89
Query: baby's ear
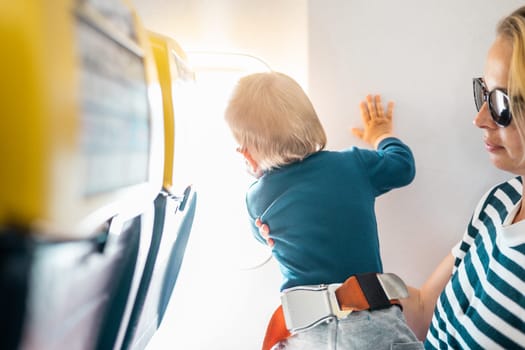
247 155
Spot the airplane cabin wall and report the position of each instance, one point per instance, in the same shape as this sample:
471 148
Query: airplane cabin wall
421 54
274 30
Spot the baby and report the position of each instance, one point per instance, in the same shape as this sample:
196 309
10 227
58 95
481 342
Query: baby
320 207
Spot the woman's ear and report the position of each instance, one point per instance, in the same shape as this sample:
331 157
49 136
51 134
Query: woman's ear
249 159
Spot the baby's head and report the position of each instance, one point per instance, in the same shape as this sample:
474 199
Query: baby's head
273 119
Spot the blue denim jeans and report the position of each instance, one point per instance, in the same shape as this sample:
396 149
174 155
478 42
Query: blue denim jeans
364 330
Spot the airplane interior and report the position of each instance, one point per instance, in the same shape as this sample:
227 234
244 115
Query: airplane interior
122 210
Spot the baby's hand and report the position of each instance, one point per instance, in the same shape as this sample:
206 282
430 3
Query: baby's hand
264 231
377 124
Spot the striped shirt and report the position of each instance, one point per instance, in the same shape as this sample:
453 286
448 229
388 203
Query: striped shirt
483 305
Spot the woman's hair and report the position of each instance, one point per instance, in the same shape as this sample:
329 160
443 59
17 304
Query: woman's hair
512 28
272 117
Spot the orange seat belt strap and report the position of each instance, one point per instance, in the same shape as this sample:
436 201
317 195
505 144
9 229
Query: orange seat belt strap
276 330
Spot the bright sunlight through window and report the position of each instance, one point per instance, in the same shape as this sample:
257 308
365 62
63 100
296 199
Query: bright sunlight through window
206 148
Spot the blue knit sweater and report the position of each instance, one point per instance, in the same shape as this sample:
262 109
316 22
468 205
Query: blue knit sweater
321 210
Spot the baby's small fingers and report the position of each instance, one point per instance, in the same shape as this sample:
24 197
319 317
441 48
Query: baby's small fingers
365 114
359 133
372 108
264 230
390 110
379 107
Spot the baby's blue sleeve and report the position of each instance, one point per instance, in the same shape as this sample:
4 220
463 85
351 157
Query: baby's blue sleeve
391 166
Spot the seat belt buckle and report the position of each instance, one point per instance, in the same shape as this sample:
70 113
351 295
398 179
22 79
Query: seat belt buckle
393 286
305 307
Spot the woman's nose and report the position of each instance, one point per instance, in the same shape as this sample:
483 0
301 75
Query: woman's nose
483 119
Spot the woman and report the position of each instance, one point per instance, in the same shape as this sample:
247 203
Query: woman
475 298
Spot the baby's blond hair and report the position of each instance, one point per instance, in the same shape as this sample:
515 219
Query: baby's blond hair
271 116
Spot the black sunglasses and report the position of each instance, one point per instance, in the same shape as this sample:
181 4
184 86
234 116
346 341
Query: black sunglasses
498 100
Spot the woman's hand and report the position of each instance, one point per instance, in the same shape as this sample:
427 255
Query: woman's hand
377 122
264 231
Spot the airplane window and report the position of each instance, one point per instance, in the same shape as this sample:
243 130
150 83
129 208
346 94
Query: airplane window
206 147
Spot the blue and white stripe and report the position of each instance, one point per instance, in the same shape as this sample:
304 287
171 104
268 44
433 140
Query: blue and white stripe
483 306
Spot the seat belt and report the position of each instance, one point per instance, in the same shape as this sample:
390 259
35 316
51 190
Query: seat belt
304 307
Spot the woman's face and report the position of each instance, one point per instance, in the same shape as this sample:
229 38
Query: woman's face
504 145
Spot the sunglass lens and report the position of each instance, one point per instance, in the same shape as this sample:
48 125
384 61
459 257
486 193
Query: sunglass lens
500 107
479 93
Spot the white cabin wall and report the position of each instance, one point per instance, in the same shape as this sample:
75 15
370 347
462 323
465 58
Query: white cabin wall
274 30
422 55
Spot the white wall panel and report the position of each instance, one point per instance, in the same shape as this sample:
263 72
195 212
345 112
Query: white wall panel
422 55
